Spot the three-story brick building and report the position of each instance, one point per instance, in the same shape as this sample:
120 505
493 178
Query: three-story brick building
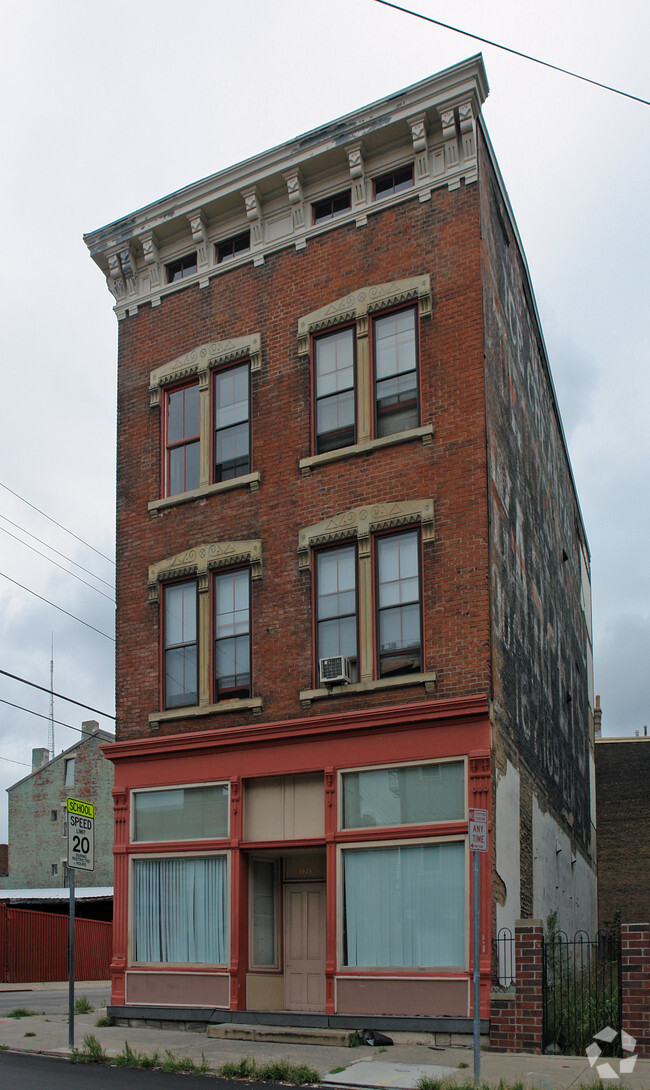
353 579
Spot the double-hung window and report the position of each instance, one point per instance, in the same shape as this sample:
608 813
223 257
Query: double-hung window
364 353
398 631
180 628
182 439
334 376
336 604
231 422
204 595
396 618
367 595
232 634
395 353
206 397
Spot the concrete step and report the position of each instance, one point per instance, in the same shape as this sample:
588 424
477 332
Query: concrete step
289 1035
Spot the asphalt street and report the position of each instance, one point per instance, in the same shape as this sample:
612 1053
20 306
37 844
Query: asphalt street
46 1001
21 1072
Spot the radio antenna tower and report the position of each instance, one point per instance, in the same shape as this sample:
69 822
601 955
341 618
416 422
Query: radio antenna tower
50 737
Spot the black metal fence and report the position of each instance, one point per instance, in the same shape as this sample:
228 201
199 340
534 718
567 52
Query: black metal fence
503 960
582 992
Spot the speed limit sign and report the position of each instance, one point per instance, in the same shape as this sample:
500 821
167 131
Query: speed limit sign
81 834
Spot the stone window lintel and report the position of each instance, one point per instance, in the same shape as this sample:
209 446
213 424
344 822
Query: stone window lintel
200 361
201 560
357 306
361 522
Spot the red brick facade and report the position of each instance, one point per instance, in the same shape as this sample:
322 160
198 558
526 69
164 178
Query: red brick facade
460 479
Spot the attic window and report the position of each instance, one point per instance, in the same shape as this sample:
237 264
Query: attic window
332 206
230 247
69 773
178 270
394 182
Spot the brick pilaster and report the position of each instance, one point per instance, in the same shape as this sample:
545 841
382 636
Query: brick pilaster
516 1017
635 984
529 971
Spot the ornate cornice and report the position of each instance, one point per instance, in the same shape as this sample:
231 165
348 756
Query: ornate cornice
199 361
202 559
432 122
361 522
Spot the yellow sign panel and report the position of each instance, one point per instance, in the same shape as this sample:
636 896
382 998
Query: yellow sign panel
85 809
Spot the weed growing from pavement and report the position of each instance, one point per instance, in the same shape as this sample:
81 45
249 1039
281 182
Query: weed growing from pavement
277 1071
21 1012
183 1065
30 1033
83 1005
105 1020
128 1058
91 1053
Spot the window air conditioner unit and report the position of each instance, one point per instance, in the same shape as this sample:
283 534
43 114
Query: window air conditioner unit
335 670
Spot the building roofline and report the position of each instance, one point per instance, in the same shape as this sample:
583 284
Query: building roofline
467 78
103 736
540 331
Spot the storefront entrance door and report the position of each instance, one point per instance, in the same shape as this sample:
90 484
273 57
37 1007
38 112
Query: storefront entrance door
304 946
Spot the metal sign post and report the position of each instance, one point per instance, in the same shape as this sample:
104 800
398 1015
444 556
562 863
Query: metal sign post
81 856
71 964
478 842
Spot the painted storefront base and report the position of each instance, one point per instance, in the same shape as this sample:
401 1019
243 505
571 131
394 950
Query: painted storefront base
311 870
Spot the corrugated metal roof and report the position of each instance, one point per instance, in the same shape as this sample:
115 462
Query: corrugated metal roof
59 893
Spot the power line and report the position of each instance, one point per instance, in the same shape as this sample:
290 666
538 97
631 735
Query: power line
60 608
40 715
59 524
56 564
53 550
514 52
59 696
12 762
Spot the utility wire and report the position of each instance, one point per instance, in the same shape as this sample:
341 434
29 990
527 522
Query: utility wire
514 52
56 551
56 564
40 716
12 762
59 696
60 608
59 524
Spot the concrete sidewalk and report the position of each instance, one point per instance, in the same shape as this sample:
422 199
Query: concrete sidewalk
400 1065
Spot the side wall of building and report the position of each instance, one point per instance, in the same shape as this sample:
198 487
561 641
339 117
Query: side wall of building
623 793
37 808
539 565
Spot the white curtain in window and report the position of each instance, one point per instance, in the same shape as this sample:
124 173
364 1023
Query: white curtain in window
180 910
405 906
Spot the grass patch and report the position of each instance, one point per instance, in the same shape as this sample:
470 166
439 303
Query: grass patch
128 1058
105 1020
82 1005
21 1012
91 1053
183 1065
335 1070
276 1071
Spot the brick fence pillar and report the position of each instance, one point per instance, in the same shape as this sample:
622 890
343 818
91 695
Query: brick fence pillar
635 984
529 971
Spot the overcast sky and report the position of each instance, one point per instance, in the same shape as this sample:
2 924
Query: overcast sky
108 106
